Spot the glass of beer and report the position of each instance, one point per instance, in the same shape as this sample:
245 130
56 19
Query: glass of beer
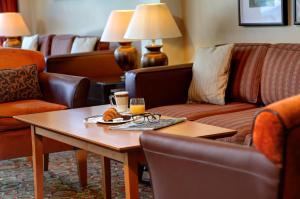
137 106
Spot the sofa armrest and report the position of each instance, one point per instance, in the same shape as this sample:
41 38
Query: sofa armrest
163 85
68 90
95 65
202 166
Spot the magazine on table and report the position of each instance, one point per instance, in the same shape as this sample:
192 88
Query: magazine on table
146 126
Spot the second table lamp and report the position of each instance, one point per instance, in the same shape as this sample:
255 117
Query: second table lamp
151 22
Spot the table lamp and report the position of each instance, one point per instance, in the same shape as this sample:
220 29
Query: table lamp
151 22
12 26
116 26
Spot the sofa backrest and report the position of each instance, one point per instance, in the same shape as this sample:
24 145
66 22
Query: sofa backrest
62 44
15 58
281 73
44 44
245 72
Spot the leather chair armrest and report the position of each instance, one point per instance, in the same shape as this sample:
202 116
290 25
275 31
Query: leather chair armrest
94 65
163 85
210 168
68 90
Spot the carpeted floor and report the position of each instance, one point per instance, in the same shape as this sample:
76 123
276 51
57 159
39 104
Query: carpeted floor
61 181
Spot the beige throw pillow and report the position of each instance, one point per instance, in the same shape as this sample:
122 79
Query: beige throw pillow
210 74
30 42
84 44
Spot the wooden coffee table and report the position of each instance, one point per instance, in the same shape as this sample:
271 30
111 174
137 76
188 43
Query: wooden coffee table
67 126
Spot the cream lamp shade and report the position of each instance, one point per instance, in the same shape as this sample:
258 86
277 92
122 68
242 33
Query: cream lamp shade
152 21
116 26
12 24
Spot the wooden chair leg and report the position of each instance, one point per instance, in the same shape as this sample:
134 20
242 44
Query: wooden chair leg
46 161
81 157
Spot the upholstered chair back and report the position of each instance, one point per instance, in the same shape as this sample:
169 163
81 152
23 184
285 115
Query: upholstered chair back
14 58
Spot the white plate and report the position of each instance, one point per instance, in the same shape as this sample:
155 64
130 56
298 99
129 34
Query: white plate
99 119
115 121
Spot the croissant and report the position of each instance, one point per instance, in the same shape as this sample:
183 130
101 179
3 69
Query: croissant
110 114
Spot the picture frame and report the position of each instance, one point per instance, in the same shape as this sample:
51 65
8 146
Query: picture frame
297 12
263 12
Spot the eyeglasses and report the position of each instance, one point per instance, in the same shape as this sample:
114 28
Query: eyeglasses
146 117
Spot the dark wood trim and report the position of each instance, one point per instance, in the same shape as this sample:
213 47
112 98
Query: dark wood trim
295 13
284 16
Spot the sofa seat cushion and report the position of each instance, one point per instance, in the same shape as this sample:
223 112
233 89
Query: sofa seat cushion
241 121
196 111
23 107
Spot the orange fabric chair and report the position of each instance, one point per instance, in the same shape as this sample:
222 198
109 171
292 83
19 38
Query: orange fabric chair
59 91
183 167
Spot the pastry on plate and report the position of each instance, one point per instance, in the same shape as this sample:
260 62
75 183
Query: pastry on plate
111 114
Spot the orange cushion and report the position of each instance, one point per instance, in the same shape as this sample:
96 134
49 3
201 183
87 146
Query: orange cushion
23 107
15 58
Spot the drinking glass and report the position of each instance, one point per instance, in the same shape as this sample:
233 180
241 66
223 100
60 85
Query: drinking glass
137 106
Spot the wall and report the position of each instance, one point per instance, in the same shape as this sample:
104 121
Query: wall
26 7
87 17
174 48
210 22
203 22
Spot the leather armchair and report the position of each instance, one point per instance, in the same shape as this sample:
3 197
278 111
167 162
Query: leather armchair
163 85
70 91
59 92
190 168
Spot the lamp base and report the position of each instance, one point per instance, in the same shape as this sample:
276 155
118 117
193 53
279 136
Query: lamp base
12 42
126 56
154 57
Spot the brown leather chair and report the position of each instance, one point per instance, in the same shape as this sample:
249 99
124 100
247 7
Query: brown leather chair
190 168
59 91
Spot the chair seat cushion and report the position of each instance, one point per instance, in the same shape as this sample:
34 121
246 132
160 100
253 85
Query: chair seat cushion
241 121
196 111
23 107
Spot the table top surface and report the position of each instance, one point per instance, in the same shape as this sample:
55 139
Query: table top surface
71 123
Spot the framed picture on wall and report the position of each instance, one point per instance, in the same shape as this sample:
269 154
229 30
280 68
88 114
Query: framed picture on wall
297 12
263 12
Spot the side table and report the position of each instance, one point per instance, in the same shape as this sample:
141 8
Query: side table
100 90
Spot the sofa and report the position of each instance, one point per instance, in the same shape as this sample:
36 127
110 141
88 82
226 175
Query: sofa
52 44
260 74
59 92
216 170
98 64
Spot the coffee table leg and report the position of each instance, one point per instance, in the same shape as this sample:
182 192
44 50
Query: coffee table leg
38 170
131 176
81 156
106 177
